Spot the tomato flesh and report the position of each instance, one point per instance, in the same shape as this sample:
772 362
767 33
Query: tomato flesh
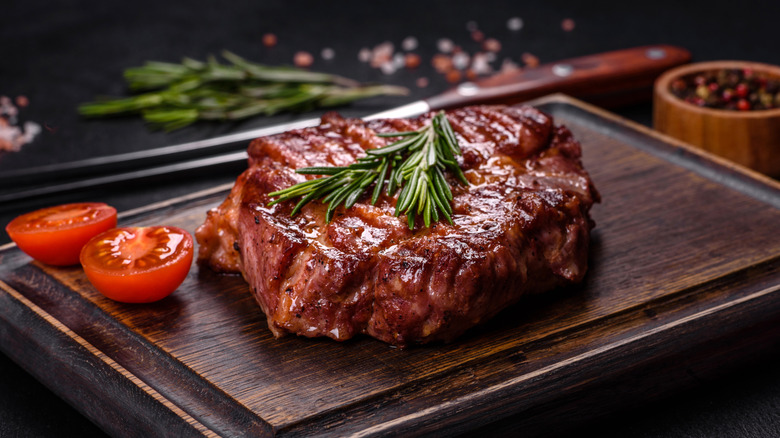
138 264
55 235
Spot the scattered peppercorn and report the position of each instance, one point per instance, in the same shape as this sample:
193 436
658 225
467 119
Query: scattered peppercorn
453 76
530 60
442 63
445 45
269 40
412 60
729 89
491 45
303 59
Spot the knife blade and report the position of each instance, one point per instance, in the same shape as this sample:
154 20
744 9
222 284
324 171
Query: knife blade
612 77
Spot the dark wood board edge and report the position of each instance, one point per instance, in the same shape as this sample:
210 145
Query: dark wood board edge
98 387
646 336
192 394
413 396
646 382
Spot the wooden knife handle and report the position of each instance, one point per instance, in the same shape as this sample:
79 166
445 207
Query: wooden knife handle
608 79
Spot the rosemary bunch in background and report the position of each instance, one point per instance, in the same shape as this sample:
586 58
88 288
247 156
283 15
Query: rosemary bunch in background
177 95
415 163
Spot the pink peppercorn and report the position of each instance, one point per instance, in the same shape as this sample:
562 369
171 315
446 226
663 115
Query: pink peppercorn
303 59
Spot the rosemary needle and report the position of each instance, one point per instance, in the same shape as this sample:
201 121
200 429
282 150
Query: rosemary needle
176 95
415 163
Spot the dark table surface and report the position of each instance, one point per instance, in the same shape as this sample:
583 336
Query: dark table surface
59 54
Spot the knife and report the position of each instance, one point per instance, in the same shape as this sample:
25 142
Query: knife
607 79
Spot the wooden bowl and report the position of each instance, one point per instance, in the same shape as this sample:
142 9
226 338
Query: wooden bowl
750 138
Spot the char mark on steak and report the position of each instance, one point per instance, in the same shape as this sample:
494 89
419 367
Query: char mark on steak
520 227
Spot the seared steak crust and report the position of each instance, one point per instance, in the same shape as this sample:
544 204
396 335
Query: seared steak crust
521 227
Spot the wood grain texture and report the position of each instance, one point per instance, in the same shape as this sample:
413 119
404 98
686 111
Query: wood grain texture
685 261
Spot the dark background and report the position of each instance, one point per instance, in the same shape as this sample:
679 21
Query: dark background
60 54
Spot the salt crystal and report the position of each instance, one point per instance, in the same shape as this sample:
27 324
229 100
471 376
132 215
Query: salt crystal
385 48
364 55
445 45
399 60
8 110
328 53
567 25
422 82
12 137
7 107
480 64
514 24
409 43
9 133
381 54
388 68
31 129
460 60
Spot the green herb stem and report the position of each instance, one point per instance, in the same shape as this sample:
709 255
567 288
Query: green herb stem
415 163
177 95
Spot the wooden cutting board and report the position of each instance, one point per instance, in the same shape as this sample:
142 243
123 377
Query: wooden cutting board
684 278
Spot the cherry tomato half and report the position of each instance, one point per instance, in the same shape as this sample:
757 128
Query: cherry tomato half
138 264
55 235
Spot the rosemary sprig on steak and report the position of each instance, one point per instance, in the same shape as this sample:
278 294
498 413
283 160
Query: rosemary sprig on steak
177 95
415 163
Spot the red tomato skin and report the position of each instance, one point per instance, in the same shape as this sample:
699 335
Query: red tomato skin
58 247
144 286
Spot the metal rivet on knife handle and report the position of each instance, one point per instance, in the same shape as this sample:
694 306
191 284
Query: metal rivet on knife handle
655 53
562 70
468 89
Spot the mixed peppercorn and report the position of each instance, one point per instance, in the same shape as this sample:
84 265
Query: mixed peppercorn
729 89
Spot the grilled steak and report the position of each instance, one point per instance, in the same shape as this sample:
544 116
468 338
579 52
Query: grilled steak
520 227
